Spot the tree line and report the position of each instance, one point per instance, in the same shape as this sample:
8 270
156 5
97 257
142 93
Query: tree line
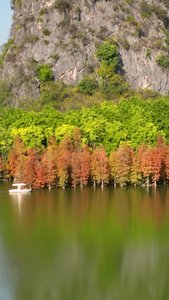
132 120
71 164
104 129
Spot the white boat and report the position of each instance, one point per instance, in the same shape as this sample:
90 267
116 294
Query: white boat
20 188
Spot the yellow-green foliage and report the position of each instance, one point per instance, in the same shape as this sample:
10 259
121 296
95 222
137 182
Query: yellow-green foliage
31 136
63 131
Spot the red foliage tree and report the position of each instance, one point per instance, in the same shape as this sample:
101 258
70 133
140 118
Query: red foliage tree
40 178
113 165
151 164
156 164
99 166
146 165
84 165
75 168
30 167
17 160
12 162
80 166
124 162
49 162
136 173
65 150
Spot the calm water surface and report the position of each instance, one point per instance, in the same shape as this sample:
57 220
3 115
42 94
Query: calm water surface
84 244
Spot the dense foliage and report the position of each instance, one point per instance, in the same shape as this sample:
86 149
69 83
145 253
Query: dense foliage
44 73
70 163
133 120
103 130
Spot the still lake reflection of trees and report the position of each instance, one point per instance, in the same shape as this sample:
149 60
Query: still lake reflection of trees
85 244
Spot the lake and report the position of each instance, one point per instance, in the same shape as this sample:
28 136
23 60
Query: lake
84 244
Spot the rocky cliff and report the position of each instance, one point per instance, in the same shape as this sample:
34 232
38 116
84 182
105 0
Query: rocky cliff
66 33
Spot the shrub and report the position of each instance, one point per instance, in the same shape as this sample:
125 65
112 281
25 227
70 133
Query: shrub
43 11
62 5
29 18
39 19
163 60
108 54
148 53
44 73
46 32
32 39
132 20
87 86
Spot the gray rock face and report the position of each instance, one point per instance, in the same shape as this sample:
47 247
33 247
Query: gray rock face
65 34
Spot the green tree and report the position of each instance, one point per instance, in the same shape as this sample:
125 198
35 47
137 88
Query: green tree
53 93
5 143
87 85
32 136
108 54
64 131
44 73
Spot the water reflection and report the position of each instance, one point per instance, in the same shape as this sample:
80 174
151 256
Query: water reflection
18 199
86 244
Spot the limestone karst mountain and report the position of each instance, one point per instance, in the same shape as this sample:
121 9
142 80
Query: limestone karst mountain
65 34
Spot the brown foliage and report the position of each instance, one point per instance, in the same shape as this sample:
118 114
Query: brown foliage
30 167
124 162
17 160
65 150
99 166
49 162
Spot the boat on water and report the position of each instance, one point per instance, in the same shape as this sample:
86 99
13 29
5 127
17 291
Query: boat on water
20 188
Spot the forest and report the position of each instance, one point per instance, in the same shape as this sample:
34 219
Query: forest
124 143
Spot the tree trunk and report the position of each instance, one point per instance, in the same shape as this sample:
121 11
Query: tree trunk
155 181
